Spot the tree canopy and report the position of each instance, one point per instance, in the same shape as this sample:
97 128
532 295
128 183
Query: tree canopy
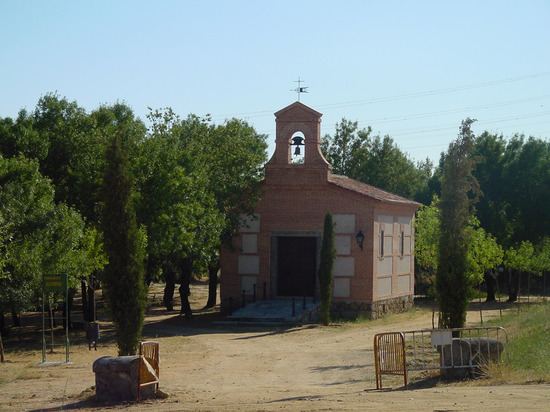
193 180
514 176
375 160
483 251
38 236
201 176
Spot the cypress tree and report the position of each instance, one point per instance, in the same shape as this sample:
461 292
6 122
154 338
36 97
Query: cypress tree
326 268
123 284
456 205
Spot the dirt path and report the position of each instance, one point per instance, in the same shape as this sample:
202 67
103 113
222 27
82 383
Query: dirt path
254 369
312 368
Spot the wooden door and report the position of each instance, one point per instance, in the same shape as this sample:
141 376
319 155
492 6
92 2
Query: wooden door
296 265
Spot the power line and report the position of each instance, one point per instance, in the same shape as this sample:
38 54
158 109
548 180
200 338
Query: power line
478 123
432 92
451 111
396 97
449 128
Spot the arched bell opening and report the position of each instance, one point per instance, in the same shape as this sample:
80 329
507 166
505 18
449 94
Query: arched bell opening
297 148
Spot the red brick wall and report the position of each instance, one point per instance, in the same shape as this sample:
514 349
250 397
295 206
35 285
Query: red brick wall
295 205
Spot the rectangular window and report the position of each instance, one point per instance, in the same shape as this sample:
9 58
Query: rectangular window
382 243
402 243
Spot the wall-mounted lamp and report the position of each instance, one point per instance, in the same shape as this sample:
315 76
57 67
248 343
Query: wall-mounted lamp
360 238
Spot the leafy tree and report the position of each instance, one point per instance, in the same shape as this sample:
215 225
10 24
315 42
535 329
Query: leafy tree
340 150
426 245
326 266
542 260
19 137
542 256
514 176
201 176
456 206
26 198
483 252
518 260
525 258
376 161
3 237
484 257
493 209
66 130
174 202
123 280
233 162
424 192
69 145
90 267
39 237
527 178
384 165
62 137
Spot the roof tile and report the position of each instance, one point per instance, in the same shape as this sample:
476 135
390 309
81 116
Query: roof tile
368 190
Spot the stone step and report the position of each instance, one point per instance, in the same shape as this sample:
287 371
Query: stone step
272 311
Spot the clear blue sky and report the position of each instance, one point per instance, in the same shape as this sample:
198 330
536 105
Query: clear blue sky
410 69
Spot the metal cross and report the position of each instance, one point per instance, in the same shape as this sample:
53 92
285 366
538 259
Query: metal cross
299 89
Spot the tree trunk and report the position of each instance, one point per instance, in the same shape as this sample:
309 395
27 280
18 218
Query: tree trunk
85 307
186 268
212 284
513 285
88 299
2 323
15 318
490 283
152 270
68 307
91 299
168 298
1 349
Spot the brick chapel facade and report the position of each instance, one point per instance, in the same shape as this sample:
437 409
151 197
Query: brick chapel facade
276 252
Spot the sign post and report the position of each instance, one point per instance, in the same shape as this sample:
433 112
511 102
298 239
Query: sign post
55 284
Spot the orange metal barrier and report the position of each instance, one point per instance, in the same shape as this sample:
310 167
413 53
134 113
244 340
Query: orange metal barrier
149 365
389 356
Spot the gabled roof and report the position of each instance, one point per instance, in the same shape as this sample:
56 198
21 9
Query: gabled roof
299 105
368 190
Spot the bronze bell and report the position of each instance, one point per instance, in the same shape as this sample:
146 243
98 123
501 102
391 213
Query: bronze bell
297 141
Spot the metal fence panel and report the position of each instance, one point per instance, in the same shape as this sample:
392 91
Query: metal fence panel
455 352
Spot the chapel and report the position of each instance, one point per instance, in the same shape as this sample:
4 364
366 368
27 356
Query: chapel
275 253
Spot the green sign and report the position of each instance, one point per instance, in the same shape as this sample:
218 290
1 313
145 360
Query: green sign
54 283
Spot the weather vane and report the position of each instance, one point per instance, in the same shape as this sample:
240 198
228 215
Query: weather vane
299 89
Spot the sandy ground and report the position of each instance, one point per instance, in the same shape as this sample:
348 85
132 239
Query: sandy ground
213 368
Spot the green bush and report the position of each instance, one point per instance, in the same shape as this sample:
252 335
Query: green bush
326 267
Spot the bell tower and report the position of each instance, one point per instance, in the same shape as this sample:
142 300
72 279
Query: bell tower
298 127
